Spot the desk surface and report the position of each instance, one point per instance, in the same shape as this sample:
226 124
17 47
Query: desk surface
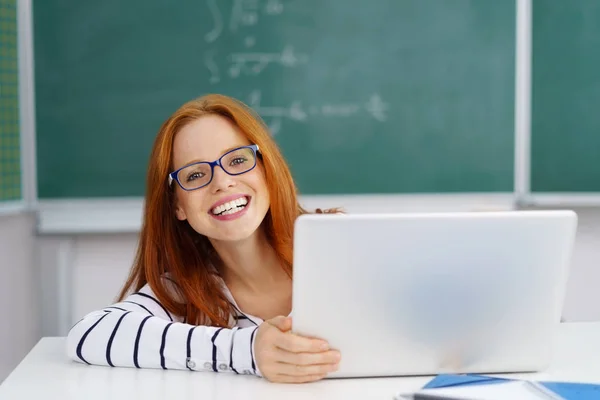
47 374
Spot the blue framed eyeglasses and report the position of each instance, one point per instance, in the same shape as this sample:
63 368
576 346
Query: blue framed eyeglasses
197 175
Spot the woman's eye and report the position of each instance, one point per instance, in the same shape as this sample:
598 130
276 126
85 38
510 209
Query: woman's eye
238 160
194 176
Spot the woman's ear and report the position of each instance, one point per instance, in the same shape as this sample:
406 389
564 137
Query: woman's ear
180 213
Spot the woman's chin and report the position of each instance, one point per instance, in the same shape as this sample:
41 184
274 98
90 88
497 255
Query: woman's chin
233 231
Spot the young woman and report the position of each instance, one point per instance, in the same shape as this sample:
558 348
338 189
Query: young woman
211 284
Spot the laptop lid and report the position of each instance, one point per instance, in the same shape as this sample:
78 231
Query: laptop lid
413 294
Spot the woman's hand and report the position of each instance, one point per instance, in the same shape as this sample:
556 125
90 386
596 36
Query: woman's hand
283 356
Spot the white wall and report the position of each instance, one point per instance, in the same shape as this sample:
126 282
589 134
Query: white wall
101 267
81 273
20 322
101 263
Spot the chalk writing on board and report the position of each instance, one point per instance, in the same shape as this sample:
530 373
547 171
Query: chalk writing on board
216 14
274 126
254 63
249 62
339 110
212 66
295 111
274 7
246 12
243 12
377 108
249 41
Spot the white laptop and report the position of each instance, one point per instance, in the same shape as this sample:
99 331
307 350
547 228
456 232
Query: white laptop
422 294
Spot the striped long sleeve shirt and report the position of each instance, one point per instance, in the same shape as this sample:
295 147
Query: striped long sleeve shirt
139 332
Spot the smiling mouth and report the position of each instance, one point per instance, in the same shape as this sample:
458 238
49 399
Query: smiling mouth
231 207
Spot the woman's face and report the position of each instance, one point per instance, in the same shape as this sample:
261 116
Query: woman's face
230 207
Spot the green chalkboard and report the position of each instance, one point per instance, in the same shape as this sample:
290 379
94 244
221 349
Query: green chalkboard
382 96
10 146
565 136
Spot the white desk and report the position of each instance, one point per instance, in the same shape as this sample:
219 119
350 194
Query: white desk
47 374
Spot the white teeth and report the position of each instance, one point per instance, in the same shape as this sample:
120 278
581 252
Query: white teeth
230 207
233 210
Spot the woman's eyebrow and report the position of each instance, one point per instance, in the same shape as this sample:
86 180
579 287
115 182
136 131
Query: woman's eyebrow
197 160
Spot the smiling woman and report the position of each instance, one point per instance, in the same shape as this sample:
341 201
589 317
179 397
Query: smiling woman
233 175
210 288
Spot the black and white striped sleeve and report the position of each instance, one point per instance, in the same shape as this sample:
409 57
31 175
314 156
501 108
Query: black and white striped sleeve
139 332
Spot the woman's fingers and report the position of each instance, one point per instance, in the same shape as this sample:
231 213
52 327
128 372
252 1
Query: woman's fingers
283 356
306 370
326 357
299 344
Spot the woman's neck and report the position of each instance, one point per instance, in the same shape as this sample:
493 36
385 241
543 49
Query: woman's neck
252 263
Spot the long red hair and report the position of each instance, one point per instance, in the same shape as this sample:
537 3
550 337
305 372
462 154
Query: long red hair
167 245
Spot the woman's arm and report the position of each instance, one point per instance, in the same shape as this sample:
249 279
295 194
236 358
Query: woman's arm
139 332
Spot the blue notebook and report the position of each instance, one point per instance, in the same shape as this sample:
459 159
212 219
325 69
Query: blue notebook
567 390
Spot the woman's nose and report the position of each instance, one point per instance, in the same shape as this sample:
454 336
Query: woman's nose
221 180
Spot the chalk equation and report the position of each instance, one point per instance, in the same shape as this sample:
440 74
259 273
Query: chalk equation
240 19
252 63
295 111
243 13
255 63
